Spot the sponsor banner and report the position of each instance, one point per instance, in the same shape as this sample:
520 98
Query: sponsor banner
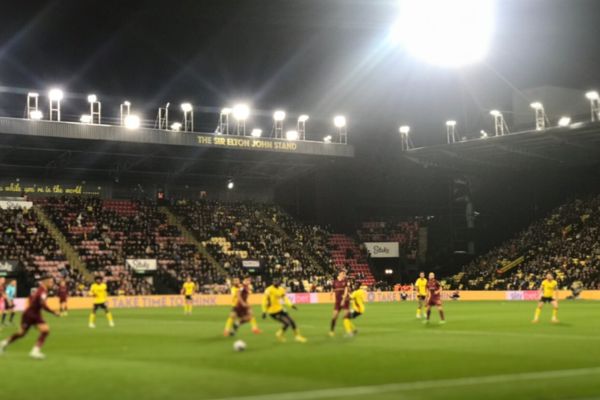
201 300
45 189
8 267
141 265
383 249
250 263
15 204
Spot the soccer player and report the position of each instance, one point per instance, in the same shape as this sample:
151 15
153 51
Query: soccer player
421 289
434 298
99 291
357 308
241 312
2 294
271 305
549 294
340 290
9 301
33 317
63 297
188 289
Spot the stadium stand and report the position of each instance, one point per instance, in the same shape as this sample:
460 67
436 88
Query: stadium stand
565 242
405 232
346 253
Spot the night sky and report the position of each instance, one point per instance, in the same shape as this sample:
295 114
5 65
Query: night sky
319 57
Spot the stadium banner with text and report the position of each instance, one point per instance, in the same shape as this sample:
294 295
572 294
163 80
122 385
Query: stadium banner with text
141 265
15 205
203 300
39 188
383 249
250 263
8 267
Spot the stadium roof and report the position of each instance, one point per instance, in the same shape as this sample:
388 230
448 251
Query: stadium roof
574 146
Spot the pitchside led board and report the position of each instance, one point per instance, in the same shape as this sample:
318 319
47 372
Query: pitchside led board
383 249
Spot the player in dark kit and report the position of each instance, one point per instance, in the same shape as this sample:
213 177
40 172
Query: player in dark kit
342 299
241 312
63 296
33 317
434 298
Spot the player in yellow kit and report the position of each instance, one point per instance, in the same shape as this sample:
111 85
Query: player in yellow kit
99 292
274 296
187 290
549 294
357 308
421 289
241 311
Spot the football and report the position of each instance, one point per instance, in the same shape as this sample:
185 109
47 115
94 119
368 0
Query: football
239 345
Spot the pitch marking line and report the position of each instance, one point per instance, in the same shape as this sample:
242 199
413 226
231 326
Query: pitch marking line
420 385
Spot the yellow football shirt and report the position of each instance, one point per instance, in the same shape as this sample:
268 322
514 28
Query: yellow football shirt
234 295
189 288
99 292
357 300
421 285
273 298
549 287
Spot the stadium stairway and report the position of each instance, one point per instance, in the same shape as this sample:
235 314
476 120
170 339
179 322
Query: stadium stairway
339 244
189 237
70 253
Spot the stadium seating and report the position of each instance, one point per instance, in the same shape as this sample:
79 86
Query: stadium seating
346 253
404 232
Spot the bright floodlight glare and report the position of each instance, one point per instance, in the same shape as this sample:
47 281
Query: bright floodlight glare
327 139
564 121
33 94
303 118
443 32
92 98
404 129
230 185
495 113
126 103
226 111
339 121
536 105
241 112
279 115
291 135
36 114
256 133
55 94
132 121
592 95
176 126
451 123
85 119
484 134
186 107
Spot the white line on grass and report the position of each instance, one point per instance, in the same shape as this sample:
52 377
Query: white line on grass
421 385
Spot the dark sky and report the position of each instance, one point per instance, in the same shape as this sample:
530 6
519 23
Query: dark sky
318 57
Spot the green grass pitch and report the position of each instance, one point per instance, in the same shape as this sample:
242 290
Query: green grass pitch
487 350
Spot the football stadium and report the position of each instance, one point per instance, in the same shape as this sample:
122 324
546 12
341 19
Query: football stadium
301 199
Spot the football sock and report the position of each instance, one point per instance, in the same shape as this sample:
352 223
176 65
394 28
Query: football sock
229 324
92 319
419 312
428 313
3 317
253 323
554 313
292 323
42 339
12 316
538 311
236 326
442 315
347 325
333 321
109 317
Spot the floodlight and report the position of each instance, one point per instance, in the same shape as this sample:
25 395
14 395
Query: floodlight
483 134
339 121
495 113
55 94
92 98
230 185
132 121
256 133
564 121
327 139
592 95
303 118
537 105
33 94
445 33
186 107
127 103
404 129
36 115
279 115
176 126
86 119
241 112
451 123
226 111
291 135
594 99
